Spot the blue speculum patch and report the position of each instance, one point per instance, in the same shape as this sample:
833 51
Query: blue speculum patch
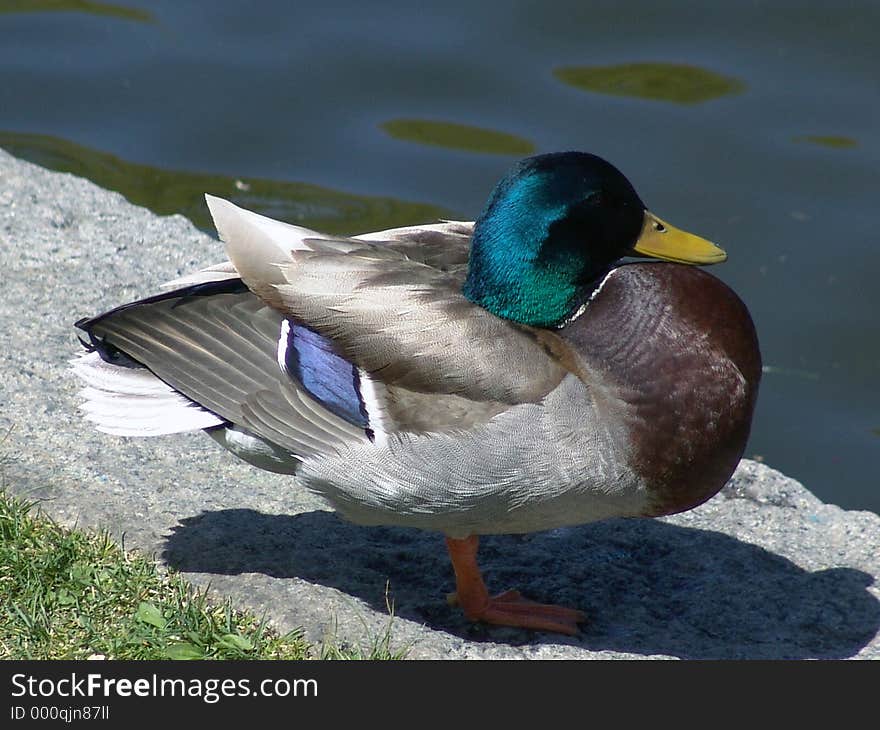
326 376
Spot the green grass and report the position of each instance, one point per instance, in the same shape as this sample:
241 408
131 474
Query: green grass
74 594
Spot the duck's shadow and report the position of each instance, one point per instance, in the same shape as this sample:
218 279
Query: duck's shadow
647 587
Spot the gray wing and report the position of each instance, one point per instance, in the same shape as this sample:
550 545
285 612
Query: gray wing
403 320
443 246
395 309
408 324
220 351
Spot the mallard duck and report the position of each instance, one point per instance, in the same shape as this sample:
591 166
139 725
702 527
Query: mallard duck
504 376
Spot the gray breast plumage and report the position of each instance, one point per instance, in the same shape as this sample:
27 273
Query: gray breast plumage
535 466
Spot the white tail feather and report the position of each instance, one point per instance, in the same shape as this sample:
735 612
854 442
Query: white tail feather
127 401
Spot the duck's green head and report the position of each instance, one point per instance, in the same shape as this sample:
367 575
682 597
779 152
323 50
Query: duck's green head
553 227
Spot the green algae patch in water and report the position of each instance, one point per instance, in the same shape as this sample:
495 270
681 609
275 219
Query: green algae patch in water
166 192
457 137
678 83
828 140
74 6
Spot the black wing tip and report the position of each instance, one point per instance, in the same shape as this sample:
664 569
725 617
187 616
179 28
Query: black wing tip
87 346
108 352
224 286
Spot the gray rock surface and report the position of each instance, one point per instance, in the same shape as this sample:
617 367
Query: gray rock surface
763 570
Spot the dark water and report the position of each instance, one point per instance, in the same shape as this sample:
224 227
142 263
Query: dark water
753 123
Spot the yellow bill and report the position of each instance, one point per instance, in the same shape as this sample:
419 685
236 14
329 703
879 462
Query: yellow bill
660 240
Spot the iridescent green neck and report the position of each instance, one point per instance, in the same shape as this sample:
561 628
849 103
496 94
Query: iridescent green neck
509 275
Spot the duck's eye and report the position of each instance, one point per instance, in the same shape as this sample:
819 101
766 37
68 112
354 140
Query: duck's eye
659 227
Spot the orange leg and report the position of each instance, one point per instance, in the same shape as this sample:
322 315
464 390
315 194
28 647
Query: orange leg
508 608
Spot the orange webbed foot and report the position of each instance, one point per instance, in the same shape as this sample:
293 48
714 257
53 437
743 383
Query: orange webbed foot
511 609
505 609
